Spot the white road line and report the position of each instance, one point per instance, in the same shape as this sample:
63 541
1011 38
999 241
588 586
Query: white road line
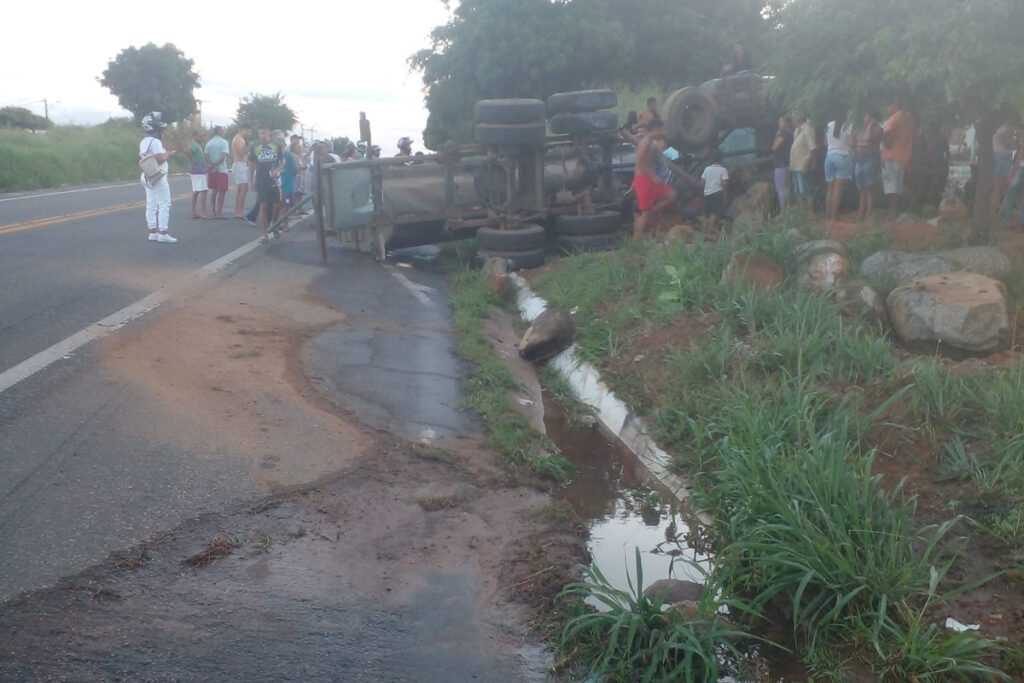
81 189
113 322
416 290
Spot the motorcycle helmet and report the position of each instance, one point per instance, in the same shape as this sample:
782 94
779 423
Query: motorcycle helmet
153 122
405 143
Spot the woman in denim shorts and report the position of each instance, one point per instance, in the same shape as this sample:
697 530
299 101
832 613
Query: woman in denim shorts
867 161
838 165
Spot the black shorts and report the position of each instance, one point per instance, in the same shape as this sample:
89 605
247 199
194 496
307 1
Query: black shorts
714 204
268 194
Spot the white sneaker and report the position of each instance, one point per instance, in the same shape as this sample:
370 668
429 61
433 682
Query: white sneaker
153 237
164 237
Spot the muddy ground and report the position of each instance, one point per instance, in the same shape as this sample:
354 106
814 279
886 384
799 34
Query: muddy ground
399 562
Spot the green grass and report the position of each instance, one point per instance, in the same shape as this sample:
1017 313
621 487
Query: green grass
72 155
489 384
768 411
633 638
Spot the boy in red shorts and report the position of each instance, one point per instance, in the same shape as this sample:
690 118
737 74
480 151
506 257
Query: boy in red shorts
652 194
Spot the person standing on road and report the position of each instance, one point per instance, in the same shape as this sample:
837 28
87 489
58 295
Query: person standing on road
216 153
898 135
652 195
158 190
781 148
267 157
240 167
801 161
197 174
301 171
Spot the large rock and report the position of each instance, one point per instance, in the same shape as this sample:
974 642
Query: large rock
495 274
889 269
823 271
755 204
755 270
553 331
858 299
963 311
671 591
806 250
987 261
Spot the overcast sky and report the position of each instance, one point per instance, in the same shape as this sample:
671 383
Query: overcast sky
330 60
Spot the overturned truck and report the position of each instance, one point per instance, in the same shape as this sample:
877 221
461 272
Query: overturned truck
537 167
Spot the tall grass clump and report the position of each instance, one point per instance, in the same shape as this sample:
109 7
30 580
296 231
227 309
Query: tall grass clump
633 637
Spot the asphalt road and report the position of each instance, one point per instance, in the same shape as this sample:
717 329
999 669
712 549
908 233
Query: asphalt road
88 462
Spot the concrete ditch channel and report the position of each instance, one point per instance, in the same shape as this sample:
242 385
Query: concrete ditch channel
613 464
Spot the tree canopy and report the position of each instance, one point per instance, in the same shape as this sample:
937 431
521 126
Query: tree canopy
153 78
532 48
265 110
947 60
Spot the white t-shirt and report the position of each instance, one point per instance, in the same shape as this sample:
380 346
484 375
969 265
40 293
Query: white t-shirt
157 147
713 177
838 145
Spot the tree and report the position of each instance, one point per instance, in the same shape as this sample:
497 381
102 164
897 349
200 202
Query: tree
19 117
152 78
532 48
952 61
265 110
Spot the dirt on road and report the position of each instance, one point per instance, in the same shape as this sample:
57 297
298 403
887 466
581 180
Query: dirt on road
369 558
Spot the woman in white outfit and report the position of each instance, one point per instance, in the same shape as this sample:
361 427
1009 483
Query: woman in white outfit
158 190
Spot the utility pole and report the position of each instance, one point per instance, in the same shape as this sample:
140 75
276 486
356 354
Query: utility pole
46 109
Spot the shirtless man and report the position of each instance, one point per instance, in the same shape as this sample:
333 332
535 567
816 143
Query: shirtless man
652 195
240 167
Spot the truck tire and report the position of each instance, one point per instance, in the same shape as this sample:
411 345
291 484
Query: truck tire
532 258
510 111
577 244
583 122
511 134
601 223
582 100
525 237
691 117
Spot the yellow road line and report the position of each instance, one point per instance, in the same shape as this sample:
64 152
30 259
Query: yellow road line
90 213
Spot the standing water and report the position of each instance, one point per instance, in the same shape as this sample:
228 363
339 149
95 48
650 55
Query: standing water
621 513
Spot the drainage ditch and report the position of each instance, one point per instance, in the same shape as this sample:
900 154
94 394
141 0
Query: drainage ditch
621 512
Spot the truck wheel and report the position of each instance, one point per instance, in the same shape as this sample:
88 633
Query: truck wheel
601 223
511 134
532 258
525 237
584 122
582 100
510 111
583 243
691 115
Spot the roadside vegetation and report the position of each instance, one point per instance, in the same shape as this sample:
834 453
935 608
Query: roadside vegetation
71 155
857 492
489 384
